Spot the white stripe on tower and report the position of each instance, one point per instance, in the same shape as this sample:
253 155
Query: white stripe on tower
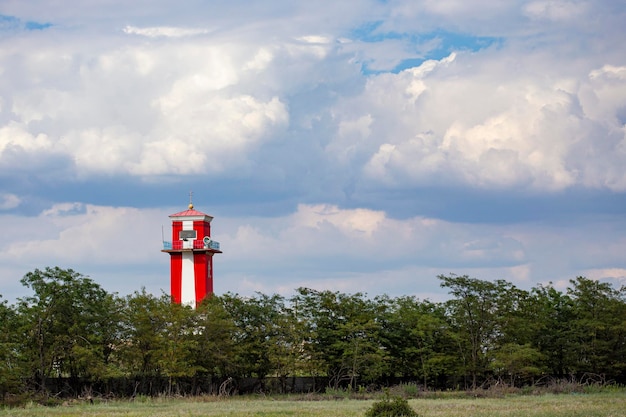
188 284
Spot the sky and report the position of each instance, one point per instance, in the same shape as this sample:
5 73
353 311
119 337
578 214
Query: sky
354 146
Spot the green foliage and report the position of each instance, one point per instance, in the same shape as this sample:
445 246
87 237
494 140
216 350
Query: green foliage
599 313
144 333
391 407
215 338
408 390
175 355
11 368
553 332
476 314
515 361
262 333
418 338
341 335
337 393
68 327
487 334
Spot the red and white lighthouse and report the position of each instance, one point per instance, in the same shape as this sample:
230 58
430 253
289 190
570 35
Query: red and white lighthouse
191 256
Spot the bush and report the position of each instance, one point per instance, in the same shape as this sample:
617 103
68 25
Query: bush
396 407
405 390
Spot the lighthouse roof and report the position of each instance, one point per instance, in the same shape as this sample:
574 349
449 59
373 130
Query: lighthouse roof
192 214
187 213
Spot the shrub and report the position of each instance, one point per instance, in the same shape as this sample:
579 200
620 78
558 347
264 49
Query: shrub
396 407
337 393
405 390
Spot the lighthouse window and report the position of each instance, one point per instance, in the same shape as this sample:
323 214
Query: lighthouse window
187 235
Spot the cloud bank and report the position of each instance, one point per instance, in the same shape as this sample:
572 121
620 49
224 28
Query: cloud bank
345 145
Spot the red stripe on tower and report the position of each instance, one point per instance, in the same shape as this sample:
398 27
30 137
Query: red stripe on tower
176 267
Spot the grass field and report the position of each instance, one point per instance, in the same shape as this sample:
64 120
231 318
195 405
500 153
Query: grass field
571 405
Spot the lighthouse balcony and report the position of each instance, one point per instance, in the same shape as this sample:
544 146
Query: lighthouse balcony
191 244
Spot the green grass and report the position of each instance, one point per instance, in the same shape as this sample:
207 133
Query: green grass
605 404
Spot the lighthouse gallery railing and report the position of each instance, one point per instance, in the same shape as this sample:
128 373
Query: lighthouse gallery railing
197 244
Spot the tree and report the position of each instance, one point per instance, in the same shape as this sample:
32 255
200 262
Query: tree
145 323
215 343
417 337
553 330
343 335
258 335
517 362
11 368
474 313
515 357
68 325
597 327
175 354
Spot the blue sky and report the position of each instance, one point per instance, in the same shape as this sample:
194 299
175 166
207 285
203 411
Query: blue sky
353 146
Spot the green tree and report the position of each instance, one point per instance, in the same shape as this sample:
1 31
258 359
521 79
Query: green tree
175 354
11 368
515 362
287 354
597 326
68 326
553 329
418 340
475 315
258 332
215 336
145 326
515 357
516 319
343 335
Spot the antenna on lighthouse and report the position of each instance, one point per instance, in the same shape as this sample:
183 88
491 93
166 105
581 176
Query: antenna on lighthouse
190 200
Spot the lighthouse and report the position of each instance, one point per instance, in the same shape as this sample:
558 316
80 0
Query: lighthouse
191 253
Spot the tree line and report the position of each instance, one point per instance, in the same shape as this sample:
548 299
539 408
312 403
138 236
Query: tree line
487 332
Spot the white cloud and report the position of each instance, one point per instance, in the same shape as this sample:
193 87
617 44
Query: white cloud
618 274
9 201
556 10
427 124
218 133
13 135
74 233
498 118
260 61
452 8
149 110
350 221
348 237
315 39
278 99
319 246
102 151
165 31
326 247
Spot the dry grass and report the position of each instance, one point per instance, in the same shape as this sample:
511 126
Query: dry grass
610 404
